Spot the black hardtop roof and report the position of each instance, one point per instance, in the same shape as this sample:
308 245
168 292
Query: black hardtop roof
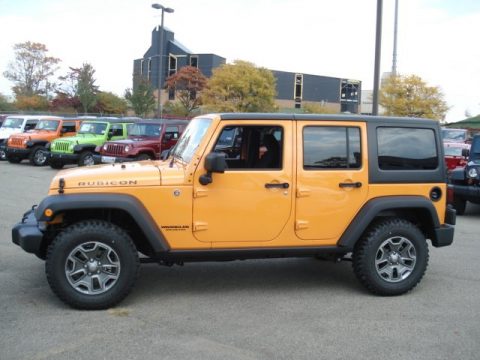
387 120
163 121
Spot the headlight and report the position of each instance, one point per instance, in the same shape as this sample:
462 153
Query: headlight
105 147
127 148
472 173
72 147
29 143
24 142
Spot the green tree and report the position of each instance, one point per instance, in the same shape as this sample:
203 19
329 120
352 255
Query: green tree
85 88
312 108
109 103
187 84
411 96
32 69
141 98
240 87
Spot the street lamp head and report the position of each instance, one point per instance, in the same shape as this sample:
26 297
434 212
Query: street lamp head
168 10
157 6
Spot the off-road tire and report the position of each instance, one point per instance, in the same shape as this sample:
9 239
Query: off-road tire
143 157
35 158
54 164
459 205
83 234
370 254
86 159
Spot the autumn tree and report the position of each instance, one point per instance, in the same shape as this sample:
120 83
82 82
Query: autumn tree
31 103
411 96
32 69
141 98
240 87
85 87
109 103
187 84
5 104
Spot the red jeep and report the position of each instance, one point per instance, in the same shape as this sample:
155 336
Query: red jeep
456 154
146 140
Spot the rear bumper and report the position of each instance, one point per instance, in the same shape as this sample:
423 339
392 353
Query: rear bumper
444 234
28 235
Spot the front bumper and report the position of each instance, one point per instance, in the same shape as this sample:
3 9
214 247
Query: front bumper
64 158
106 159
27 234
467 192
21 153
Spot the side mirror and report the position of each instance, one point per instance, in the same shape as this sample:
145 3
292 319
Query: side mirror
214 163
465 153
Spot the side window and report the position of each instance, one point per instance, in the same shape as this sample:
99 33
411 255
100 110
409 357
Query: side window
68 127
171 133
331 147
402 148
251 147
30 125
117 130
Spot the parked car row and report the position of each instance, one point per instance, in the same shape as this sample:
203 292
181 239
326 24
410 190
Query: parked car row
59 141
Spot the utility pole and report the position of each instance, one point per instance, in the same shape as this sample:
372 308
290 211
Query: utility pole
378 49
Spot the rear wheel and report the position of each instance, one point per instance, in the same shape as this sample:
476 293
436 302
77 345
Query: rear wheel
86 159
38 156
92 265
391 258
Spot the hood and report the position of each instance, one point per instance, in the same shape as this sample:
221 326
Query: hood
134 174
35 134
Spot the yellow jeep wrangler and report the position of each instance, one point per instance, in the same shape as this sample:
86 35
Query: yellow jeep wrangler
240 186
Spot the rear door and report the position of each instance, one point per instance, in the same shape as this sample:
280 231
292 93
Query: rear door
332 178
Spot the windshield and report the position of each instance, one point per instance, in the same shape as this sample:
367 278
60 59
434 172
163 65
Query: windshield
13 123
93 128
453 151
47 125
191 139
454 135
145 130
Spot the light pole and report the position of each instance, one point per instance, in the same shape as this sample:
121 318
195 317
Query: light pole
378 49
160 55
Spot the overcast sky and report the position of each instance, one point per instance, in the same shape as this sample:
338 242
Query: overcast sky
438 39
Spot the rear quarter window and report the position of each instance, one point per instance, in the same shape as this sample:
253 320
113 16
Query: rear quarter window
403 148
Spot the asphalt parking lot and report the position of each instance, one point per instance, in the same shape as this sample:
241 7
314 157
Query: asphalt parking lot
258 309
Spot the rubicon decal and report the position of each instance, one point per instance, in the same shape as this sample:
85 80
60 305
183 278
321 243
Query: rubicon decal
108 183
175 227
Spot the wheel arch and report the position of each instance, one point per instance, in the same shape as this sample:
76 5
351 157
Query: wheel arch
120 209
416 209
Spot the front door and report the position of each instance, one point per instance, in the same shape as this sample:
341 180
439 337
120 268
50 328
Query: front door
252 199
332 175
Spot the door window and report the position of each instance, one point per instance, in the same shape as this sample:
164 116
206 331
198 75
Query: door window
251 147
331 147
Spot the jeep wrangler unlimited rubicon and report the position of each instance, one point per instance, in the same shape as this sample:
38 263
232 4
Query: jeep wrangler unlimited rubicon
33 144
368 189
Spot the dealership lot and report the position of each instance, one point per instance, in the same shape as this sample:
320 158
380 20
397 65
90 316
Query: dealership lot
257 309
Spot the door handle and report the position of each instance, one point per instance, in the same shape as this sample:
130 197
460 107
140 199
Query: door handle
277 185
357 184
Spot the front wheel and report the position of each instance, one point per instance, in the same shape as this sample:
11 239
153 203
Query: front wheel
38 156
391 258
143 157
86 159
92 265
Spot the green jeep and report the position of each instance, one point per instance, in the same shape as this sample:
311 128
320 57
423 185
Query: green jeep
79 149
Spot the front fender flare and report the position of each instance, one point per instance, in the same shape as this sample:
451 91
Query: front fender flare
128 203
